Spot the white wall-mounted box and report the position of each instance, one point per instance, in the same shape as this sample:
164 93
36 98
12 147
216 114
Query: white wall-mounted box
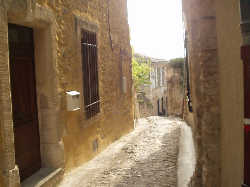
73 100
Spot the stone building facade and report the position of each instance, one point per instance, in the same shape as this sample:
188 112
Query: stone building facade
158 87
154 95
164 96
67 138
216 80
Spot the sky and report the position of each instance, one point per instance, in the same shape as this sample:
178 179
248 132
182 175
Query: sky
156 28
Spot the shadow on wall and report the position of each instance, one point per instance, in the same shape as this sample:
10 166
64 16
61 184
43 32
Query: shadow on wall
186 159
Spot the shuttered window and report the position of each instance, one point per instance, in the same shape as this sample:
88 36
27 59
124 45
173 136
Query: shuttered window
90 73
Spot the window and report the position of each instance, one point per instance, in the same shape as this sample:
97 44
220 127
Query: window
90 73
245 16
161 80
163 76
158 77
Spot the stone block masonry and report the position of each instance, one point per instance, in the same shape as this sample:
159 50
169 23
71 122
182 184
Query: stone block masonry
67 137
216 80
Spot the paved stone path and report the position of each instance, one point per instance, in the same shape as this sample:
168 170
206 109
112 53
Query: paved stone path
147 157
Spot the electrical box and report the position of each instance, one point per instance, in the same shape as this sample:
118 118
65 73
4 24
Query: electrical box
124 84
73 100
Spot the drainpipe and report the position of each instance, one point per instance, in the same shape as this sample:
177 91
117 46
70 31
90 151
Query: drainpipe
245 55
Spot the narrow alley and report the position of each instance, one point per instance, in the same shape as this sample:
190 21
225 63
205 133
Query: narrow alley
145 157
75 75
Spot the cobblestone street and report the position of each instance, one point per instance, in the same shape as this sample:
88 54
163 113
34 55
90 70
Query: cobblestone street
146 157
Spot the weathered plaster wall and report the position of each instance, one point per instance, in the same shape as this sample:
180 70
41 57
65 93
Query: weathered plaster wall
231 91
8 171
175 88
136 109
217 91
116 116
188 116
145 102
57 26
200 17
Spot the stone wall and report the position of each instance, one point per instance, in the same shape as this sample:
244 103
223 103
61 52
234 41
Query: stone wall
175 88
8 172
216 90
200 17
75 139
113 49
146 107
231 92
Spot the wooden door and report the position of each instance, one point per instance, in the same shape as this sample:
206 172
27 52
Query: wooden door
22 74
245 55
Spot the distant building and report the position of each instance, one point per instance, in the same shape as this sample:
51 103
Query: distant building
152 98
158 88
164 96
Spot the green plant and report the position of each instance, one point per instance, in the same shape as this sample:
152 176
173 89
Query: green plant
140 72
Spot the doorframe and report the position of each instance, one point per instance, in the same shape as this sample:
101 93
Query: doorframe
42 20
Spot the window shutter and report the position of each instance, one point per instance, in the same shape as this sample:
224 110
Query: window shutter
90 73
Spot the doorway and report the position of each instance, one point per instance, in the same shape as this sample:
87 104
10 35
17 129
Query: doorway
24 102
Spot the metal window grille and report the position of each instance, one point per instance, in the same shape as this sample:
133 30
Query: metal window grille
90 73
